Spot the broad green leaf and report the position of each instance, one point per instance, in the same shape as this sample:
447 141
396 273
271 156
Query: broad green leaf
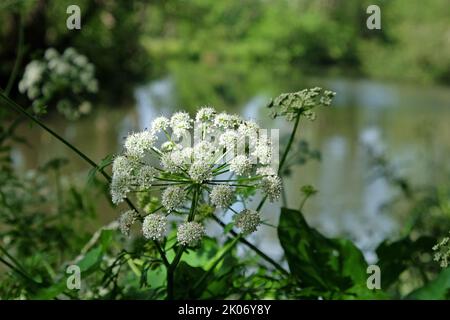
395 257
438 289
329 265
184 280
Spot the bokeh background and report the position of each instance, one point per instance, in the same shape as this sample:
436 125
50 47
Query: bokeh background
386 136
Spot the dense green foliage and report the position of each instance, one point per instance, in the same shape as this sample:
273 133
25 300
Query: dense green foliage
218 43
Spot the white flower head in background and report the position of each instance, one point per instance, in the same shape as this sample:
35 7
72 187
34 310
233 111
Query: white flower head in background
69 75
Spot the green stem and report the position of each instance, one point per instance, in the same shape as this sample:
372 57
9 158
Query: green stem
303 202
283 158
19 109
254 248
180 251
17 62
215 263
289 145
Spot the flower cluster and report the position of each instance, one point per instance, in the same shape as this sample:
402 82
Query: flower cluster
442 252
65 79
302 102
208 170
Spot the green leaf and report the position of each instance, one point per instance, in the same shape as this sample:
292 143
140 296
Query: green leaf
228 228
438 289
328 265
88 264
102 165
185 277
395 257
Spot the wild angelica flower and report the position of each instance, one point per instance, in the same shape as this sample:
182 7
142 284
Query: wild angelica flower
138 143
202 173
180 123
120 186
154 226
442 253
173 197
271 186
248 128
293 104
247 221
203 151
263 151
205 114
126 221
146 176
190 233
122 165
160 123
226 121
222 196
240 165
229 138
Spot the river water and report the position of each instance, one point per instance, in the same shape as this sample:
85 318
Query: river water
409 123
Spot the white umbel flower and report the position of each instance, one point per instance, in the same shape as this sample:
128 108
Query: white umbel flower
226 121
180 123
122 165
200 171
228 139
190 233
247 221
126 221
248 128
240 165
205 114
203 151
154 226
160 123
146 176
175 160
138 143
271 186
263 152
120 186
173 197
222 195
442 252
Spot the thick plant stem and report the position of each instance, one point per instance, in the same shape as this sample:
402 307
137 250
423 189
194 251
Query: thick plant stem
289 145
19 109
172 267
